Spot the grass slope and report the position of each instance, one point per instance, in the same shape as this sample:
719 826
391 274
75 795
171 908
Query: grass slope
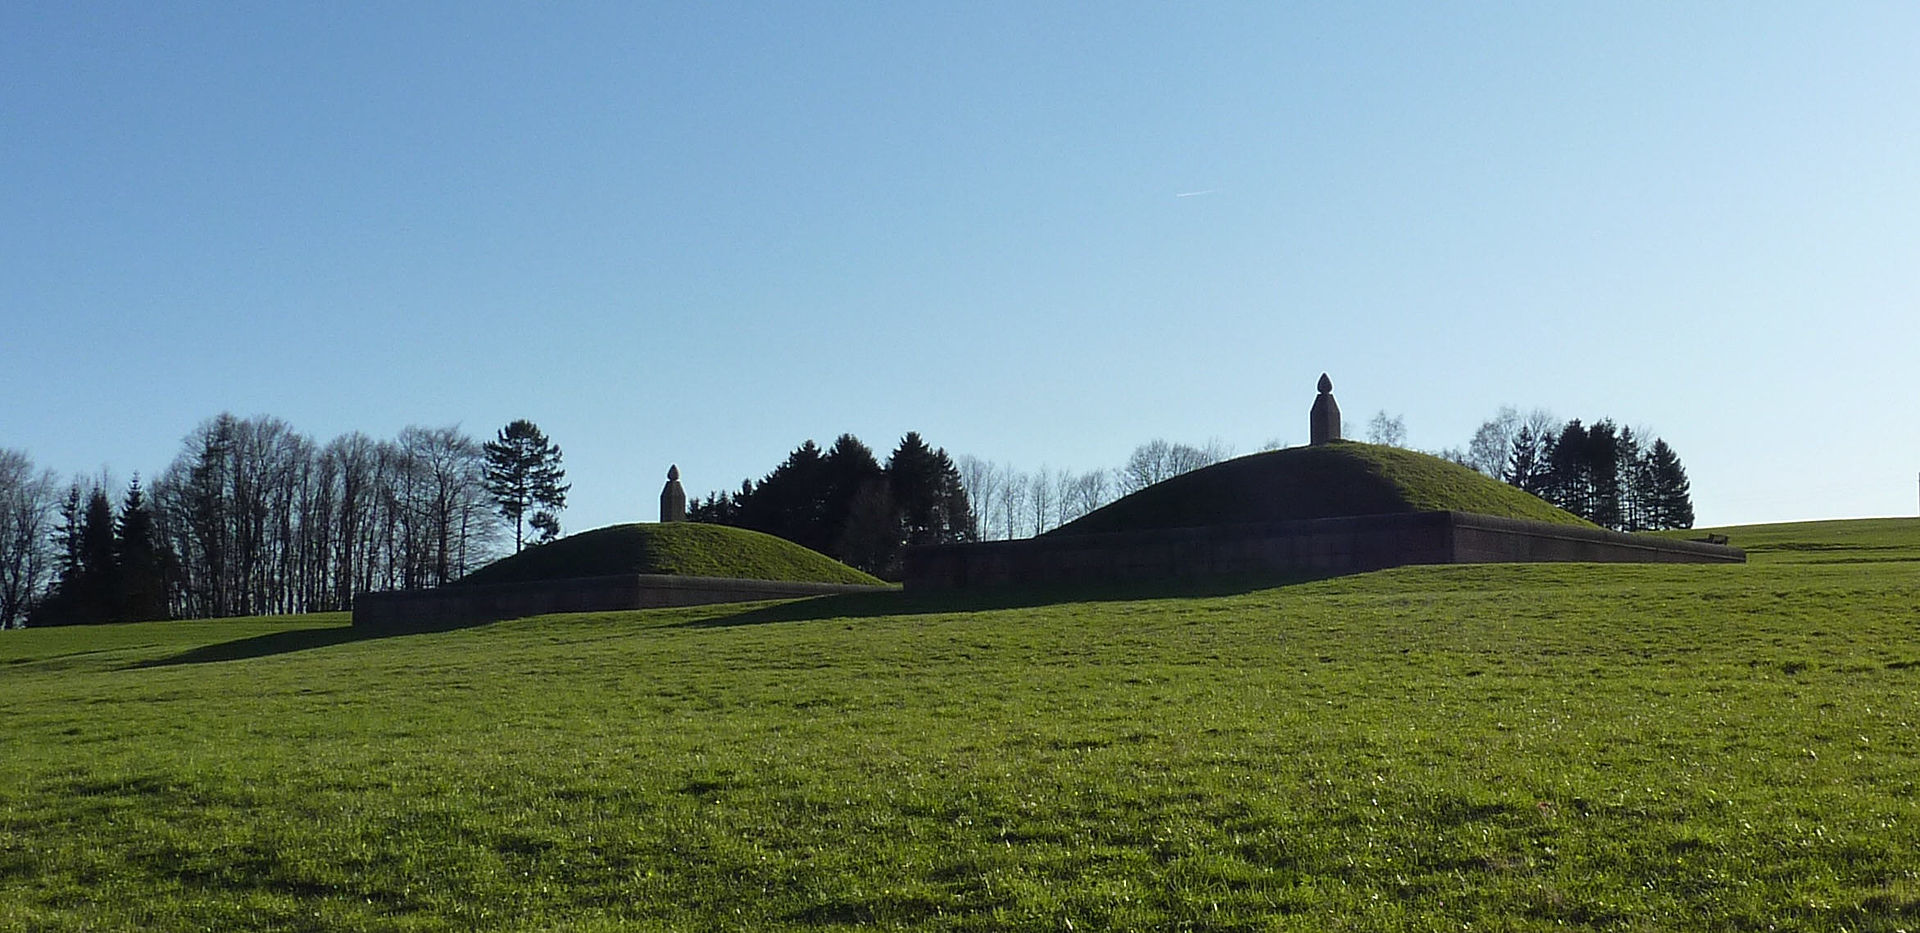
1502 747
685 548
1848 540
1328 481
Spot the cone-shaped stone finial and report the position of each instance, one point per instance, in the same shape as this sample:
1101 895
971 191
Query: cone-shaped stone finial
1323 424
673 499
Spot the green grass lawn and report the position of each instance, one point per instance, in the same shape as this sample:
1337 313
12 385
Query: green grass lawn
1872 539
1502 747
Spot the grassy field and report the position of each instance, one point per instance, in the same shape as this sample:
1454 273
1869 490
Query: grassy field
1857 540
1479 747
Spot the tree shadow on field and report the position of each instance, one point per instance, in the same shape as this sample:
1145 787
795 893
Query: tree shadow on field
988 599
262 646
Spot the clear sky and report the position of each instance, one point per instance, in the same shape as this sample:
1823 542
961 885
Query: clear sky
1036 233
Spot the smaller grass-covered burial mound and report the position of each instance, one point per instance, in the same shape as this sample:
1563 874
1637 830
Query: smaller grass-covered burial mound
1342 479
619 567
675 548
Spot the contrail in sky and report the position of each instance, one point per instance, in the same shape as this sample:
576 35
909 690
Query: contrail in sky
1195 194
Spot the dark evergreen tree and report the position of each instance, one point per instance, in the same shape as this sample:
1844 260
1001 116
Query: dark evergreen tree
790 502
870 536
1526 466
142 592
85 592
1633 488
851 478
66 535
1569 479
721 508
523 476
1603 473
914 474
1671 496
932 499
844 504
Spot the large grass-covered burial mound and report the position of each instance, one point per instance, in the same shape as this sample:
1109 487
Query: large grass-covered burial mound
677 548
1340 479
1332 507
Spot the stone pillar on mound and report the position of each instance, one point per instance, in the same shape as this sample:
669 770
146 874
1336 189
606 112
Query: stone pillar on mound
673 499
1324 424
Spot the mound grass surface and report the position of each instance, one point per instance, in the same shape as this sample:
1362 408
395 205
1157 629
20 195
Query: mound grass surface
1329 481
1502 747
683 548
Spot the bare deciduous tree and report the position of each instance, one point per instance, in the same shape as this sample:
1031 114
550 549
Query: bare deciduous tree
1040 500
1062 494
1157 460
983 482
445 505
1090 491
27 502
1390 430
1492 445
1013 504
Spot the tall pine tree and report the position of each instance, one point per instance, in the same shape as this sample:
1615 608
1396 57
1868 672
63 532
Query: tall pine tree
523 475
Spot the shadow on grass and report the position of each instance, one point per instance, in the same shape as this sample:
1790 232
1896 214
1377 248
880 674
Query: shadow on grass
849 606
988 599
273 643
260 646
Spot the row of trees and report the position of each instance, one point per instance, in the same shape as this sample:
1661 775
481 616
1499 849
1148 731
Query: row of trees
844 503
254 517
110 567
1012 503
1603 472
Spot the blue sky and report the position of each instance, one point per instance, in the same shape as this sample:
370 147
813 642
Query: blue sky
700 234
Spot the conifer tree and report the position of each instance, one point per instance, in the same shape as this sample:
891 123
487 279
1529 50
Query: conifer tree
1569 471
1603 472
1672 495
523 475
844 504
1525 467
142 593
88 580
1633 488
66 535
926 486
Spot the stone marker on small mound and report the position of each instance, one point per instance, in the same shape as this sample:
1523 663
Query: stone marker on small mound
1332 507
636 566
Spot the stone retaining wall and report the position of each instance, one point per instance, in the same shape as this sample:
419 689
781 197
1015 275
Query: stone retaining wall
456 604
1324 546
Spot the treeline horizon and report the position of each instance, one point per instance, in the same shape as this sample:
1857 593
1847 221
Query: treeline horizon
251 517
1605 473
844 503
